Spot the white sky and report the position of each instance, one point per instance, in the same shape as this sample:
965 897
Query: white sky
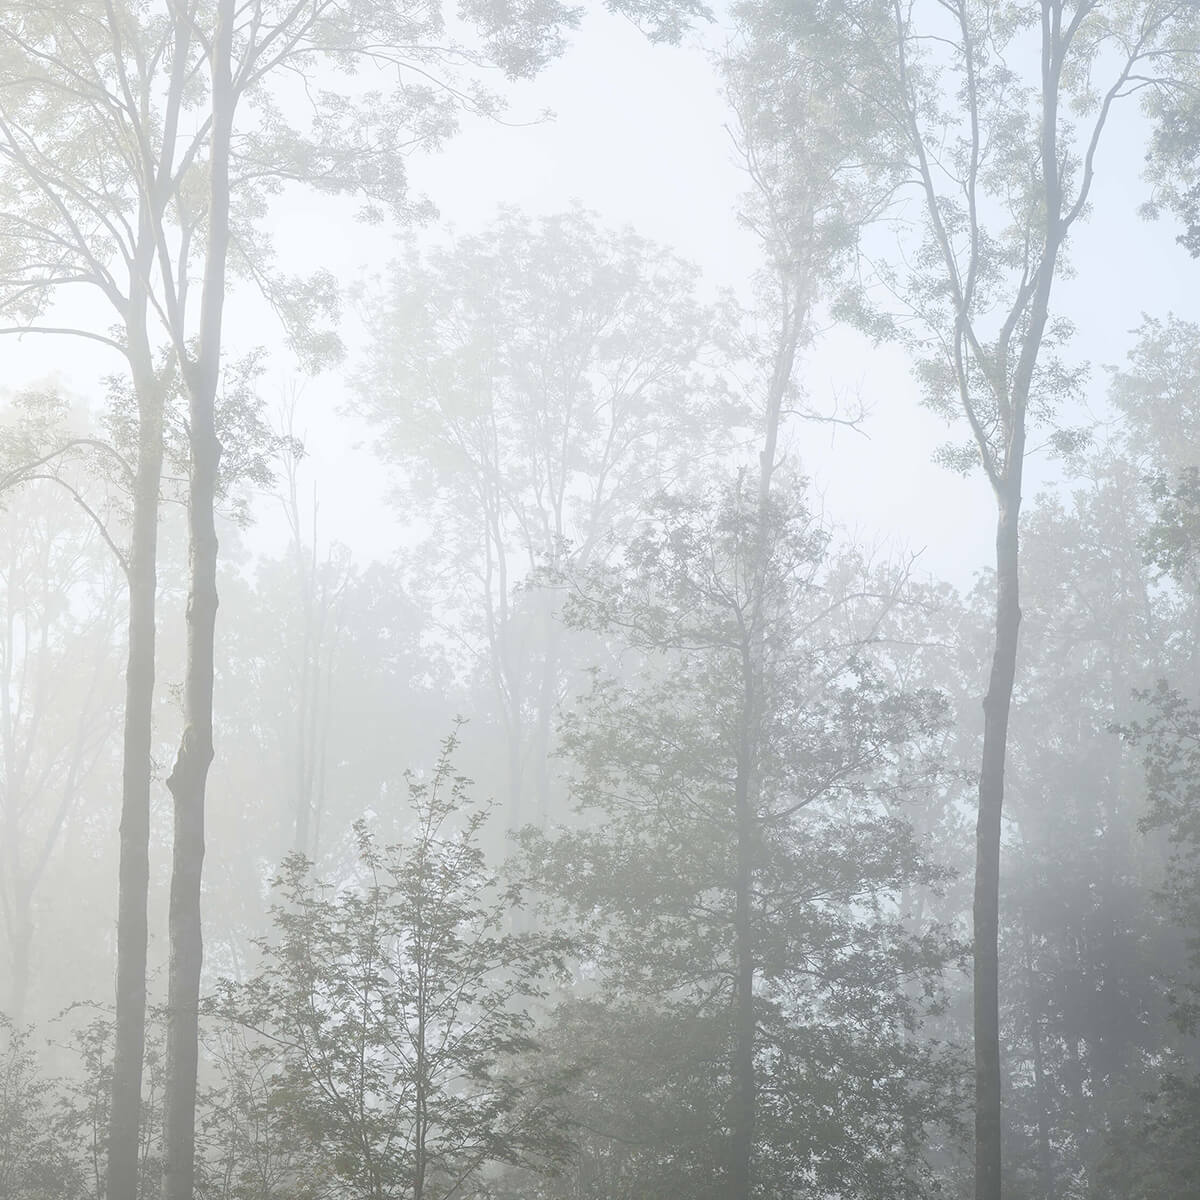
639 137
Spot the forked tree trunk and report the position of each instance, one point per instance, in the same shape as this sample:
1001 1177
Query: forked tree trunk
190 774
126 1139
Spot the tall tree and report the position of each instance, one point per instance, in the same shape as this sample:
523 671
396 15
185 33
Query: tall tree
243 50
109 74
742 872
985 125
535 382
86 139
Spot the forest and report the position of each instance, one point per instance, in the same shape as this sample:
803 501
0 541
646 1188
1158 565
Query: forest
599 602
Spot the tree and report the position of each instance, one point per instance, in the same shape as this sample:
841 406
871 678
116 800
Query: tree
1154 1151
35 1162
742 872
169 86
1081 1002
60 617
534 383
397 1010
997 149
69 185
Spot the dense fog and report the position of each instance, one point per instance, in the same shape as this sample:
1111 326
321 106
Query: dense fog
599 603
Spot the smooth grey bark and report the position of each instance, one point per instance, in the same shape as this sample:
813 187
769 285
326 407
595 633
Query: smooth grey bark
997 705
125 1141
1045 1158
134 863
745 1084
746 826
188 779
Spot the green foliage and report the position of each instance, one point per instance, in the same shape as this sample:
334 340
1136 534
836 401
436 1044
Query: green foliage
53 1128
930 122
1156 1157
387 1018
34 1163
751 629
541 376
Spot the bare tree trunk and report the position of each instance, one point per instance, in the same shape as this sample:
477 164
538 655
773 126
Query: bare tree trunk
741 1174
126 1141
134 868
1045 1158
190 774
996 706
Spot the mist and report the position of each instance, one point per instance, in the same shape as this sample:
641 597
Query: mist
599 603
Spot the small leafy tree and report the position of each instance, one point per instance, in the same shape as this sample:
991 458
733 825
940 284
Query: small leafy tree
33 1163
397 1010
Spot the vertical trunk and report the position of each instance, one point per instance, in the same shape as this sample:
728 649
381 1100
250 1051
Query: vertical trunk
741 1174
134 867
1045 1159
516 769
744 1094
190 774
187 784
996 706
421 1100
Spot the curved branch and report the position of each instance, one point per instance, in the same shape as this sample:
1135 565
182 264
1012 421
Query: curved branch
55 329
101 528
20 474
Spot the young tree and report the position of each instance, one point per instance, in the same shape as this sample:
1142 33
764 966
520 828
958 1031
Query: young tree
35 1162
744 875
397 1010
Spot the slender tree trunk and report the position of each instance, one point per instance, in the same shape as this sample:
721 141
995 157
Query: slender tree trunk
308 689
134 868
190 774
127 1142
741 1175
996 706
187 783
745 1084
1045 1158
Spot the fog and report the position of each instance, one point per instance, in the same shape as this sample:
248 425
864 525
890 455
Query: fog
599 603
